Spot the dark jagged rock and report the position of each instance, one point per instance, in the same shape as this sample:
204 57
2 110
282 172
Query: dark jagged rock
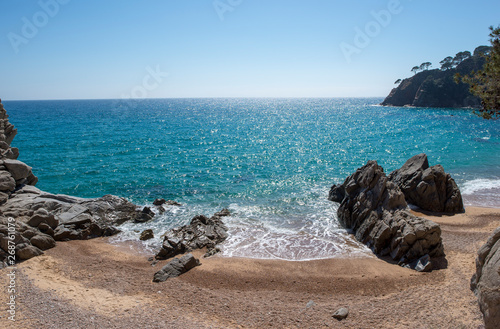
436 88
374 208
486 281
146 235
160 202
145 215
429 188
201 232
176 267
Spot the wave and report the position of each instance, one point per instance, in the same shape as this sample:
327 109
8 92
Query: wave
481 184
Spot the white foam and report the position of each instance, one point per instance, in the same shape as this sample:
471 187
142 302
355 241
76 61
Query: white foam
476 185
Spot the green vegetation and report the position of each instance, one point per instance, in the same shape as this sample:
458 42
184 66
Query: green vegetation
485 83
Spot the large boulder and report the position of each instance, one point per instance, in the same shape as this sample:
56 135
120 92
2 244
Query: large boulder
486 281
429 188
374 208
201 232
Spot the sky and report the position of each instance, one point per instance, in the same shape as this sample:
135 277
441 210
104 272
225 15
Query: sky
90 49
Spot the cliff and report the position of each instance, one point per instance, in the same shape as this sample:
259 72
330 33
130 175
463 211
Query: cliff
437 88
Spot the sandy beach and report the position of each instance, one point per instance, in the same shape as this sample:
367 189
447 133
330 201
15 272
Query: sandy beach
94 284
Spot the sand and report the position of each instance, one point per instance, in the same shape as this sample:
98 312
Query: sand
94 284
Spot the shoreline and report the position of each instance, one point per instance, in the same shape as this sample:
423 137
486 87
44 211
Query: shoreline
96 283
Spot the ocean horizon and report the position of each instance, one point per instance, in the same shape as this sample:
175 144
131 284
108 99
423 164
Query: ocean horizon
270 161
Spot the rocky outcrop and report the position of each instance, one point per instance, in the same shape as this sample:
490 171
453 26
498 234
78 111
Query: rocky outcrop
13 173
200 233
374 208
437 88
32 220
486 281
429 188
176 267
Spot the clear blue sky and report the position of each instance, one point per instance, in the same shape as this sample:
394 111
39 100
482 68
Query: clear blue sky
245 48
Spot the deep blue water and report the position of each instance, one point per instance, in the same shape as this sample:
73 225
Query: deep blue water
270 161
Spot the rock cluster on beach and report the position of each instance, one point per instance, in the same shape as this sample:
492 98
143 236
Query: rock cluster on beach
429 188
200 233
375 209
32 220
486 281
36 218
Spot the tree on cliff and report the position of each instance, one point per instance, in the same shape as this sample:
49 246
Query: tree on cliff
425 66
398 81
415 69
486 82
460 57
446 63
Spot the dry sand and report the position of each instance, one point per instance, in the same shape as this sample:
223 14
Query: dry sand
93 284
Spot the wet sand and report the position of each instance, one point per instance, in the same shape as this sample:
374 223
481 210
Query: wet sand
94 284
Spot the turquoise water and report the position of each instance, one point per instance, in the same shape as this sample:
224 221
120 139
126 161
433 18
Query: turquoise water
270 161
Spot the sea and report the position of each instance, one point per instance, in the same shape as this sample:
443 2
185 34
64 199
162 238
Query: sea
271 162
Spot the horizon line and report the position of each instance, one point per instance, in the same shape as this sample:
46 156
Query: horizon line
196 97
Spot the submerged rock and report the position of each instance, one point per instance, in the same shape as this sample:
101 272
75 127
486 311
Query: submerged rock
429 188
201 232
374 208
486 281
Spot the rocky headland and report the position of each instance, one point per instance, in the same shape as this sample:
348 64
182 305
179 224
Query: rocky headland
437 88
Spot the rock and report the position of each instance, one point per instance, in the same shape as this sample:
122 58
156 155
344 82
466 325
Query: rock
42 216
17 169
176 267
423 264
223 213
159 202
45 228
146 215
429 188
63 233
201 232
28 252
211 252
486 281
43 241
7 182
341 313
374 208
146 235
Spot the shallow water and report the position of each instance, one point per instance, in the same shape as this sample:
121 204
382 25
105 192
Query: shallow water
271 162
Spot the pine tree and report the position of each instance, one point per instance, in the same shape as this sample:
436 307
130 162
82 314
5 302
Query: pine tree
486 83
